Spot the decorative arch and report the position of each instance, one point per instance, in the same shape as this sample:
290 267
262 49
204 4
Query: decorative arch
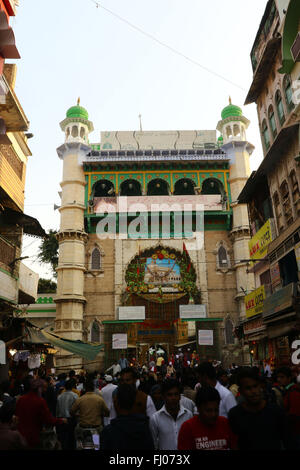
223 254
272 122
288 92
184 186
103 188
131 187
94 331
266 134
279 107
212 186
95 258
158 187
229 331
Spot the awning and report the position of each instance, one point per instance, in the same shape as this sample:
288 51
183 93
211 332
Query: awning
31 226
85 350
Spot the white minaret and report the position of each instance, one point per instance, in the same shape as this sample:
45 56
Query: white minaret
70 300
233 128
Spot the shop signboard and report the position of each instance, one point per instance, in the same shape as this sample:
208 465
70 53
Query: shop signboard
253 326
131 313
280 300
206 337
192 311
259 243
119 341
254 302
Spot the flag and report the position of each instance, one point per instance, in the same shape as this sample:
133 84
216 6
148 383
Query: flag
185 250
188 268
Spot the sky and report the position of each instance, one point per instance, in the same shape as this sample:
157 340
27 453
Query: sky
71 48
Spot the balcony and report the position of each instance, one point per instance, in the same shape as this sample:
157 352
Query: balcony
283 300
28 285
11 110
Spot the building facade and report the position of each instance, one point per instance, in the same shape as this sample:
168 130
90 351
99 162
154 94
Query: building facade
128 264
272 192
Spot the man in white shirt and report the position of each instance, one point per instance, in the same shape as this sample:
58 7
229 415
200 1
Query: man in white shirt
207 376
165 423
116 368
188 404
106 393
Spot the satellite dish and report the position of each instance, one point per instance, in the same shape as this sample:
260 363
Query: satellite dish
91 203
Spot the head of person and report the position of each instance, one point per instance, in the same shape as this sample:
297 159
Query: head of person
207 374
89 385
69 385
37 386
171 393
128 376
108 379
159 378
125 397
156 393
284 376
222 377
250 385
208 402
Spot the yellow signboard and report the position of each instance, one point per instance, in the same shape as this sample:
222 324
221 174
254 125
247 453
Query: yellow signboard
259 243
254 302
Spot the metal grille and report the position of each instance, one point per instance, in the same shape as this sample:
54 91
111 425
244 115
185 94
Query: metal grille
7 252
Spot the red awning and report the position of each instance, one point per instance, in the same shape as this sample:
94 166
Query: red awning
8 47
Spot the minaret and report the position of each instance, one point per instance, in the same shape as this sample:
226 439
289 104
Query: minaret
233 128
70 300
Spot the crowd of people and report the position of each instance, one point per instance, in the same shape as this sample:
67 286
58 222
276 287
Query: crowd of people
195 406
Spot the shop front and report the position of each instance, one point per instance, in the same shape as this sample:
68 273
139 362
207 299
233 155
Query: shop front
281 315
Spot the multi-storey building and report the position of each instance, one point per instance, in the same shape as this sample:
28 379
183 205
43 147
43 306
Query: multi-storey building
153 287
18 284
272 192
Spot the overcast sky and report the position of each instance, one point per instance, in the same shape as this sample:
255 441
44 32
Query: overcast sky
71 48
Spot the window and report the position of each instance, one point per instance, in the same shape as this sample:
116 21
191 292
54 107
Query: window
288 92
96 259
295 191
229 336
278 212
266 135
286 202
272 121
279 106
95 332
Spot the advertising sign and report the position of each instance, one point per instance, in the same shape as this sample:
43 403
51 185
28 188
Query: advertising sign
131 313
119 341
254 302
259 243
192 311
206 337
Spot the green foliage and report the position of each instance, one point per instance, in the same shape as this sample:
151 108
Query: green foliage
46 286
48 251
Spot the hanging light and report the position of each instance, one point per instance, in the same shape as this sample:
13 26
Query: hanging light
12 352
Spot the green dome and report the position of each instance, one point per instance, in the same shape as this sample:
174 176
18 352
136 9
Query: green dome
220 139
78 112
231 110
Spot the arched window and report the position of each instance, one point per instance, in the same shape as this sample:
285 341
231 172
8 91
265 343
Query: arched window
96 259
288 92
279 106
236 130
229 336
222 257
266 135
95 332
74 131
130 188
103 188
286 202
212 186
295 191
158 187
184 186
272 121
228 132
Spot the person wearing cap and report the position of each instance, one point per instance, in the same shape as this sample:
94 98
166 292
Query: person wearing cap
106 393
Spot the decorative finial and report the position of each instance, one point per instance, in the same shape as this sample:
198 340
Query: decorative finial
230 100
140 118
78 102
